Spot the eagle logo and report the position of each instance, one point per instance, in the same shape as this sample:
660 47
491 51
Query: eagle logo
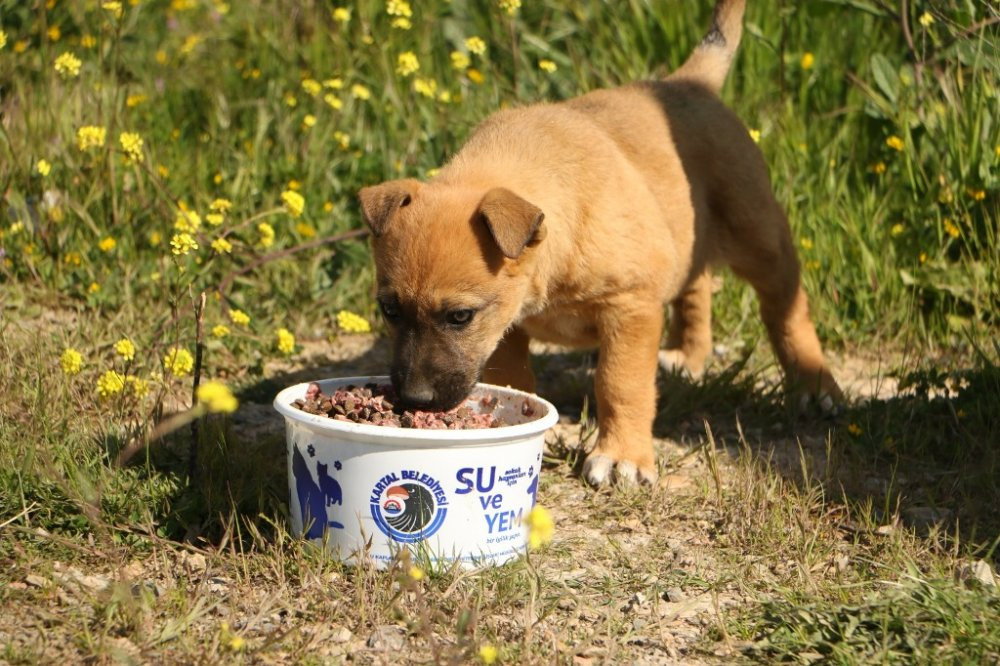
407 512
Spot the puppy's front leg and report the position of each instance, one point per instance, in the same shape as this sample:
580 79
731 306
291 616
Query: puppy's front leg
626 392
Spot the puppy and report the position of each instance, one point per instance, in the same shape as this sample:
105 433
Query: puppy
576 223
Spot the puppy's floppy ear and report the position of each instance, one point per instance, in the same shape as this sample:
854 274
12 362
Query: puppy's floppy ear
513 222
380 202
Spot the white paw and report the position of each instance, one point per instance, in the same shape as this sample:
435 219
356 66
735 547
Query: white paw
599 469
675 361
826 403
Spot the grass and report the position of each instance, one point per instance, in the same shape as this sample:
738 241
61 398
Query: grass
778 535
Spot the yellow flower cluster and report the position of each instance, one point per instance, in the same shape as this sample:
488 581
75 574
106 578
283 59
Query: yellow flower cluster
222 246
285 341
43 168
182 244
294 202
488 654
341 14
220 331
407 63
132 146
178 361
107 244
540 526
359 91
90 136
239 317
115 8
510 6
352 323
125 349
547 66
475 45
216 397
266 232
187 221
110 383
71 361
459 60
895 143
807 61
402 13
68 65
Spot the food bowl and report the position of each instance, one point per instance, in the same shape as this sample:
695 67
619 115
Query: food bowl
366 491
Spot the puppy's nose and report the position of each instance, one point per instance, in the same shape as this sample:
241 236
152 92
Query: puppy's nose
417 394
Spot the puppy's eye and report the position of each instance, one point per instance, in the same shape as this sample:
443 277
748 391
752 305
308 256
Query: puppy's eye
390 309
459 317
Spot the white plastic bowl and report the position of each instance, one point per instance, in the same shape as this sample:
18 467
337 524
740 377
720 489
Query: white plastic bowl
366 491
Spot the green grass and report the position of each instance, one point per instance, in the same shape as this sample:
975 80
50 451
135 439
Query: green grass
794 536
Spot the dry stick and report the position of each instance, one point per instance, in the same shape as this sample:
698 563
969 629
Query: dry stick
199 347
904 21
347 235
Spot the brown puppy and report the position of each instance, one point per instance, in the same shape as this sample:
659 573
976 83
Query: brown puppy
576 223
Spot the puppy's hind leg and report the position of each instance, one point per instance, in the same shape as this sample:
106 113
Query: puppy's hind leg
689 340
766 258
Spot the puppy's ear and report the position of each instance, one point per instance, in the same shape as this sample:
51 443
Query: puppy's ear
513 222
380 202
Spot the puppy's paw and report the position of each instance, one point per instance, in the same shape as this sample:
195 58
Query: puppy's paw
827 404
676 361
600 469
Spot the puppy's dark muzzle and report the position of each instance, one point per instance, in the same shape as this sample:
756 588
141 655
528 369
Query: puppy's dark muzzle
439 391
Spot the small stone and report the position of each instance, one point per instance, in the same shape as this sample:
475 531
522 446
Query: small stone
341 635
387 637
977 572
36 581
674 595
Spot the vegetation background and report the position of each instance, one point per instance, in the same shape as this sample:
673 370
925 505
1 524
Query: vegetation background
178 181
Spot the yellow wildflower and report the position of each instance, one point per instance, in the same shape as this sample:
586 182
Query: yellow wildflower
217 178
93 288
71 361
806 243
131 145
3 39
398 8
335 83
294 202
135 100
540 526
125 349
54 33
110 383
402 23
333 101
341 14
488 654
407 63
222 246
139 387
42 167
807 60
183 243
312 87
897 229
343 139
459 60
878 168
107 244
187 221
510 6
854 429
115 8
306 230
161 57
220 205
239 317
155 238
220 331
976 195
425 87
352 323
755 135
216 397
294 185
475 76
951 228
266 232
290 100
895 143
178 361
309 121
475 45
922 258
215 219
89 136
285 341
415 573
361 92
546 66
68 65
926 19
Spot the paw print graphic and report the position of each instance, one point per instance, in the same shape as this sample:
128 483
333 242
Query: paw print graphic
312 451
337 466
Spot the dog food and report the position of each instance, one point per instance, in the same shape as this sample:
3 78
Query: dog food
374 404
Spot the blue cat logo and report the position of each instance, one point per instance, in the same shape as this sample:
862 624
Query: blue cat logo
315 498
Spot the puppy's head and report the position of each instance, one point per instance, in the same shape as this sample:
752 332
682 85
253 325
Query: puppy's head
452 265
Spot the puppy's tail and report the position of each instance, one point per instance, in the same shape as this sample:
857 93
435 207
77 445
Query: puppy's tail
710 61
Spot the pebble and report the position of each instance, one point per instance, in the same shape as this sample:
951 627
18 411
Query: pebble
978 571
387 637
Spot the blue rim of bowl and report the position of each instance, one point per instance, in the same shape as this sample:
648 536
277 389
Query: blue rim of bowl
283 404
